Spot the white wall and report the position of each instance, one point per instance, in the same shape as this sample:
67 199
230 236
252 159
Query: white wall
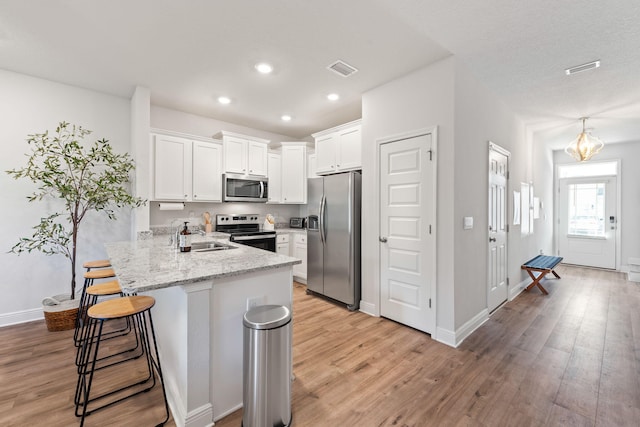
30 105
422 99
628 153
467 115
481 117
177 121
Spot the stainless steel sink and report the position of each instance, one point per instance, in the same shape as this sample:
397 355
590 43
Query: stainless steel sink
210 246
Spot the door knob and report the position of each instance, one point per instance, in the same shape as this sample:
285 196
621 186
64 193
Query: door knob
382 239
492 239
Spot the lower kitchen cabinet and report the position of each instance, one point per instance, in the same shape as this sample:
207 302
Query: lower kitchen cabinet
300 251
282 244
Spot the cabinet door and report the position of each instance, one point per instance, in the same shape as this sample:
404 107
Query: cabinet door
300 252
326 154
282 248
348 149
275 178
172 168
207 172
294 177
235 155
312 166
257 159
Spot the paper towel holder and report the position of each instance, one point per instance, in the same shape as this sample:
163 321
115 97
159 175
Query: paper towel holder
171 206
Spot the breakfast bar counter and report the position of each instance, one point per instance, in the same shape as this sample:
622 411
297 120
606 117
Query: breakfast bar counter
200 300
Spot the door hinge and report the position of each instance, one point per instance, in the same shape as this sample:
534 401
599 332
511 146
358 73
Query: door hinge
507 281
430 155
558 252
429 302
507 174
429 228
507 228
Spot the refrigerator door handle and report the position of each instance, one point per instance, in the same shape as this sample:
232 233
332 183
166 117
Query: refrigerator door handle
323 203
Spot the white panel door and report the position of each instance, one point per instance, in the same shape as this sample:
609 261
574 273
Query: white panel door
407 231
497 269
587 221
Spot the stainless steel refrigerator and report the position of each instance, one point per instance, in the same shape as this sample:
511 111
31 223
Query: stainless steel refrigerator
333 237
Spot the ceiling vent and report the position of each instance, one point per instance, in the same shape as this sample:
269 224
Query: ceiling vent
583 67
342 68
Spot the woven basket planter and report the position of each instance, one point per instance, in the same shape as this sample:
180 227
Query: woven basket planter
60 313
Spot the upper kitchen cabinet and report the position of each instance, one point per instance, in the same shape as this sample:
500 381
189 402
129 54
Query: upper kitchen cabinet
244 155
185 169
294 172
207 172
275 178
339 149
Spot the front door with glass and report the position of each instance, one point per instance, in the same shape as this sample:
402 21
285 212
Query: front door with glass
587 221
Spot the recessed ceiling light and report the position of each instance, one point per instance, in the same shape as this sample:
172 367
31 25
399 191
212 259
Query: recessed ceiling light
224 100
333 97
264 68
286 118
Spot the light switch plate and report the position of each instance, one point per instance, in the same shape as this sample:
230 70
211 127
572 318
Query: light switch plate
468 223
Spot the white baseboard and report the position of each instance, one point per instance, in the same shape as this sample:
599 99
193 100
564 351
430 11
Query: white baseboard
516 290
200 417
445 336
454 339
368 308
23 316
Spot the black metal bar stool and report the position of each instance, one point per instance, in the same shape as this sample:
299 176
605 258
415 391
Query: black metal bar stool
91 295
138 308
89 277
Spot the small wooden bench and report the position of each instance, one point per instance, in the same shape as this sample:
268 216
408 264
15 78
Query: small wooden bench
542 264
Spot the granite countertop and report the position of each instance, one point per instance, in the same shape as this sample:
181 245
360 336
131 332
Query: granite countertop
144 265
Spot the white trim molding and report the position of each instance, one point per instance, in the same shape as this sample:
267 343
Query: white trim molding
23 316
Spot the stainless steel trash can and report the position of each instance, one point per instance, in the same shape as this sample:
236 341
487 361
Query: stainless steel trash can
267 367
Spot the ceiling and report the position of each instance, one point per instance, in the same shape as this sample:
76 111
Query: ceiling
190 52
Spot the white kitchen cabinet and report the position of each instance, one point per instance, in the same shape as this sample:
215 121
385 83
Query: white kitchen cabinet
311 166
172 168
244 155
339 149
294 173
274 162
300 251
186 170
282 244
207 172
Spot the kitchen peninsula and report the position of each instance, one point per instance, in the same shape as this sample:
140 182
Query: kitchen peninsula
200 300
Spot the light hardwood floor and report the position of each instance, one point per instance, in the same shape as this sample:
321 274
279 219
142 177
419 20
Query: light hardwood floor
570 358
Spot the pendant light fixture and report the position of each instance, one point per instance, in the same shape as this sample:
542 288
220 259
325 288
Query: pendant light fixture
585 146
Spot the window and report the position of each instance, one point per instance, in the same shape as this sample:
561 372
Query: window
586 209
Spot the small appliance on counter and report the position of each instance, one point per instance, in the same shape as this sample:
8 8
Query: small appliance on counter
297 222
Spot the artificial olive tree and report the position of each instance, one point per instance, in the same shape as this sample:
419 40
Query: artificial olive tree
83 178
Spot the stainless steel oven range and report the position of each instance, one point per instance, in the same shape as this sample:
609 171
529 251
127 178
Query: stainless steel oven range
245 229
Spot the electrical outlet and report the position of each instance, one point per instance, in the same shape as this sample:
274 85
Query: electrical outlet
254 302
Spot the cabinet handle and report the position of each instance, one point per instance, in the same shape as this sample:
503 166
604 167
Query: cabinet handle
195 196
185 196
337 166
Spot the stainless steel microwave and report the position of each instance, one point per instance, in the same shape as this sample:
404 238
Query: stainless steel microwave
240 188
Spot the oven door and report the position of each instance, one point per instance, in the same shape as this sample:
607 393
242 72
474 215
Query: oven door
266 242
